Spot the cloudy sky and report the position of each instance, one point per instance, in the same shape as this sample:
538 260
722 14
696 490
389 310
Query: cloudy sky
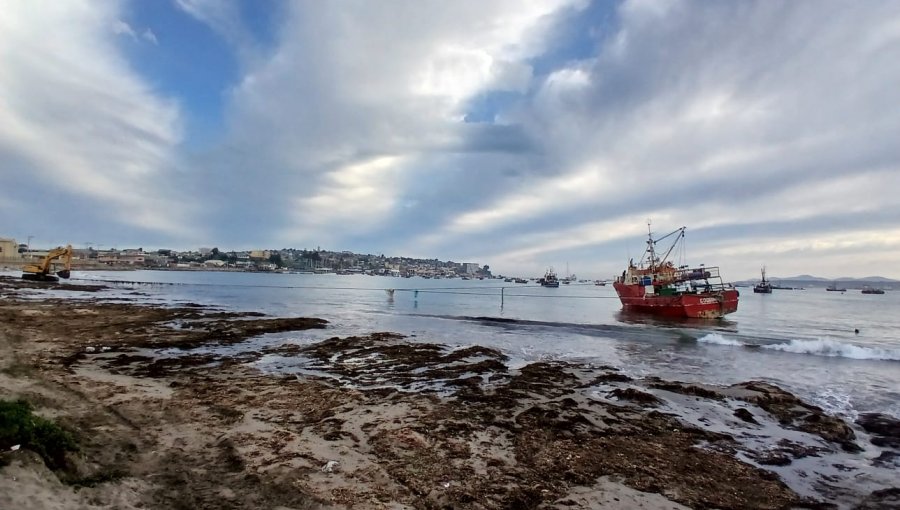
520 134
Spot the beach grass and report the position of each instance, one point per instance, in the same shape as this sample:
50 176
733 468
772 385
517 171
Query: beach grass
20 426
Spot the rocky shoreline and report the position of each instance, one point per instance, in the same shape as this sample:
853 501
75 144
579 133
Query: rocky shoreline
165 418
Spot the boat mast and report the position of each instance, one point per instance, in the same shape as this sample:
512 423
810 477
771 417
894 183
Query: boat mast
650 250
652 259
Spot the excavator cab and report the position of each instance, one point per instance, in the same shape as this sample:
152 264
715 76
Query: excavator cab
42 271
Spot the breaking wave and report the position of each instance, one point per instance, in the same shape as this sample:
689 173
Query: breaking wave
715 338
833 348
829 348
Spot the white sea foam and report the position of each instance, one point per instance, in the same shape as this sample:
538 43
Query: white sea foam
715 338
833 348
835 400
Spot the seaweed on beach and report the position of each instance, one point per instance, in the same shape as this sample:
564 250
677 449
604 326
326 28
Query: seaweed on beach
793 412
381 419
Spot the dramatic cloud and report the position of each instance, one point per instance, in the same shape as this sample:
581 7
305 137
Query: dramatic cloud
356 117
519 134
86 147
718 116
121 28
149 36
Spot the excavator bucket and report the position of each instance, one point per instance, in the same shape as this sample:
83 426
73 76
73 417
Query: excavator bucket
65 273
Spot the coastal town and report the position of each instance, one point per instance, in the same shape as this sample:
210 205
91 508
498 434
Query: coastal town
291 260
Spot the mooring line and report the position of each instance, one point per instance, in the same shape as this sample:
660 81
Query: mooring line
467 291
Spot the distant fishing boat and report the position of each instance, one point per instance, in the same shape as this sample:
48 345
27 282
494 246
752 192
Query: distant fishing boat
871 290
656 286
570 277
764 286
834 288
550 279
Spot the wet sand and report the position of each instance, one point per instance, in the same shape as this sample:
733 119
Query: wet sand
379 421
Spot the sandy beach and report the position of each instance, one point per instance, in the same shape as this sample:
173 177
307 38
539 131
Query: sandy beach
162 421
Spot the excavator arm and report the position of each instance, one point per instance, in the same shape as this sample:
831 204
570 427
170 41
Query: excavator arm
41 270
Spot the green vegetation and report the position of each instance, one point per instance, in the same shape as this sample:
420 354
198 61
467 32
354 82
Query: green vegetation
276 259
20 426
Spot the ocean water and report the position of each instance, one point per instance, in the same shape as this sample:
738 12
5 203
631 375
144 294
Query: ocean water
804 341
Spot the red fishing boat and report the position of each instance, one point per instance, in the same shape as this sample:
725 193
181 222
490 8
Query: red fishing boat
656 286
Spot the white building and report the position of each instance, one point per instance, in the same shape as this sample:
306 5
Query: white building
9 251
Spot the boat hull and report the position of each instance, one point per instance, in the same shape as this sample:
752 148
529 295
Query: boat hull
704 305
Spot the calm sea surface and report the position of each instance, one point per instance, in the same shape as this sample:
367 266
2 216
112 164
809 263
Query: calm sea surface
801 340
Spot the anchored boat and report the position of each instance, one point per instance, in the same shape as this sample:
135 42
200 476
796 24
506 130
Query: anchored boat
550 279
656 286
764 286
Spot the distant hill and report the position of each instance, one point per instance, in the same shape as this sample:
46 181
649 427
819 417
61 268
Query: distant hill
806 278
878 279
809 281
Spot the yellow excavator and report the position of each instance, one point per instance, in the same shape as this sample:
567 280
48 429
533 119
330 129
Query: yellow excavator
42 271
